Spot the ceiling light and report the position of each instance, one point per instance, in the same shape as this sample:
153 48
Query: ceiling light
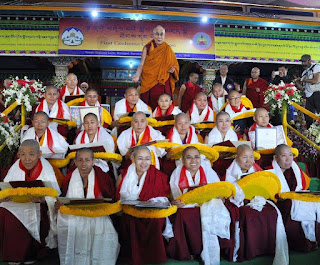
94 13
204 19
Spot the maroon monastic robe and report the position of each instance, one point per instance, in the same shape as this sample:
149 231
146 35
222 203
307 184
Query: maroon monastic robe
189 95
15 241
104 181
141 239
257 98
295 235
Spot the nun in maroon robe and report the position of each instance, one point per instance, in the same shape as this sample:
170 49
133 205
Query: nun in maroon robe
141 239
16 242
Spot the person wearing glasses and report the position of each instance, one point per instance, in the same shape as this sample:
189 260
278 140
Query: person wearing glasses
71 88
158 69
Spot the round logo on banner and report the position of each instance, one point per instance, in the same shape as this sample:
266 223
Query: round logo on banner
201 41
72 36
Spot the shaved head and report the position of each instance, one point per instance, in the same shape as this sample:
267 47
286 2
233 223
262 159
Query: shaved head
158 27
279 149
31 143
243 147
233 93
40 113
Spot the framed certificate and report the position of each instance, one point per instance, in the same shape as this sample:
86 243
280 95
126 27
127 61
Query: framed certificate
266 138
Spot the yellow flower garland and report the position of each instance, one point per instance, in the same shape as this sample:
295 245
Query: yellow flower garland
201 126
227 149
148 213
59 163
91 210
209 152
165 145
300 196
163 123
247 114
75 102
295 151
68 123
246 102
23 195
205 193
261 183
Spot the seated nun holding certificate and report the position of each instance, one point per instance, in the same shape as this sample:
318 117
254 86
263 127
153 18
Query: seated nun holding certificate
141 239
82 239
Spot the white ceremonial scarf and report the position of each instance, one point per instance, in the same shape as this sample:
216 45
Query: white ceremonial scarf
131 185
60 146
211 177
215 222
120 108
214 137
283 181
234 173
196 117
74 93
215 218
54 110
175 138
75 189
175 111
124 143
101 136
83 240
214 100
305 212
29 213
229 110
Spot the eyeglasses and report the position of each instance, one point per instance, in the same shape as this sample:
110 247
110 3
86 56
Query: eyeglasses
159 34
93 96
164 100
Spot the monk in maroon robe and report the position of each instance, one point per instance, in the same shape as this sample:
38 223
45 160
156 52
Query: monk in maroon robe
141 239
159 69
254 88
188 92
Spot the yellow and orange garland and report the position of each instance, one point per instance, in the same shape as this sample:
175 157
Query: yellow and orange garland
261 183
205 193
91 210
205 150
59 163
149 213
200 126
23 195
151 121
307 197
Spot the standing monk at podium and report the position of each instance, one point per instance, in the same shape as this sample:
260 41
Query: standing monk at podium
159 69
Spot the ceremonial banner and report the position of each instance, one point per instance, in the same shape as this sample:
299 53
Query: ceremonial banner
111 37
265 44
29 37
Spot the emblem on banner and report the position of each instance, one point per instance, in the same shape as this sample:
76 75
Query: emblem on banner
72 36
201 41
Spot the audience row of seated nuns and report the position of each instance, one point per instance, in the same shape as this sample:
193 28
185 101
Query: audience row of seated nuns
236 228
